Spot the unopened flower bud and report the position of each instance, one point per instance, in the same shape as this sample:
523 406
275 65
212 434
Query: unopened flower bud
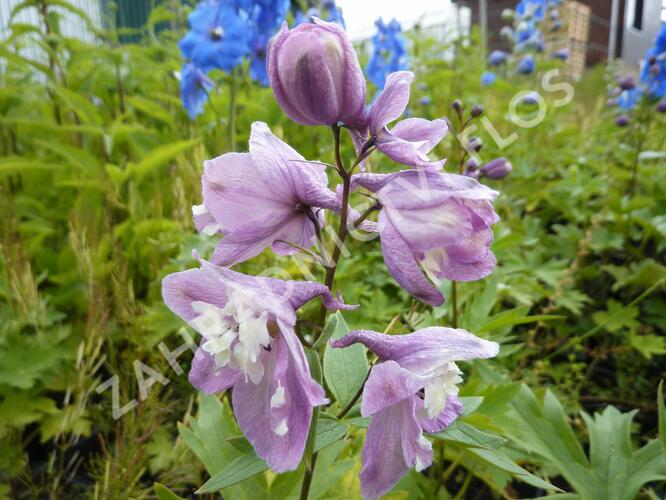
475 144
477 110
472 164
628 83
474 173
497 168
315 74
457 106
661 107
425 100
622 120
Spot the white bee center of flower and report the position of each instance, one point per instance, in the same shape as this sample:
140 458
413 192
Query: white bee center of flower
235 334
442 385
433 262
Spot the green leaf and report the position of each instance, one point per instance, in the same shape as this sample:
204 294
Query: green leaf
470 404
469 435
617 316
164 493
505 463
621 471
345 370
514 317
249 465
648 345
151 108
244 467
662 417
23 165
207 436
159 156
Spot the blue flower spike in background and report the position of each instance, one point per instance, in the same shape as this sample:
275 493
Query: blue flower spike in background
389 52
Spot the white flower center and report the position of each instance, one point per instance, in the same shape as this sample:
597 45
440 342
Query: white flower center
442 385
433 262
234 335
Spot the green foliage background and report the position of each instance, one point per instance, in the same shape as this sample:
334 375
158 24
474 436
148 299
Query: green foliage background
100 167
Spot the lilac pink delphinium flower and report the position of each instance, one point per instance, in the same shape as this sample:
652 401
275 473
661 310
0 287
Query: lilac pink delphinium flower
411 390
249 344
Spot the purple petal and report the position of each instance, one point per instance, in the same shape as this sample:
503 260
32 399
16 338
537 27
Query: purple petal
450 413
431 226
275 414
387 385
423 350
406 152
230 180
410 141
179 290
394 443
208 378
402 264
276 294
279 163
391 102
249 241
469 260
425 132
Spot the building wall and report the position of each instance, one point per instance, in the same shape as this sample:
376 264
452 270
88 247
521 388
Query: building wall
638 41
70 24
597 49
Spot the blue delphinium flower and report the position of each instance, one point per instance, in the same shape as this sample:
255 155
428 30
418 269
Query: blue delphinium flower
488 78
629 98
334 14
497 58
653 74
264 19
531 9
194 88
218 36
526 65
389 52
331 13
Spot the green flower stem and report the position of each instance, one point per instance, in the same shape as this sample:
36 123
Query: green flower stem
310 455
232 110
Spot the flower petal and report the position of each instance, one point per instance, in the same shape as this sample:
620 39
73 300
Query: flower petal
280 163
179 290
208 378
423 350
426 132
232 179
249 241
450 413
387 385
394 443
402 264
275 414
391 102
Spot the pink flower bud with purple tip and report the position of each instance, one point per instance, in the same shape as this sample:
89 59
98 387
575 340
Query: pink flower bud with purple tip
315 75
496 169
